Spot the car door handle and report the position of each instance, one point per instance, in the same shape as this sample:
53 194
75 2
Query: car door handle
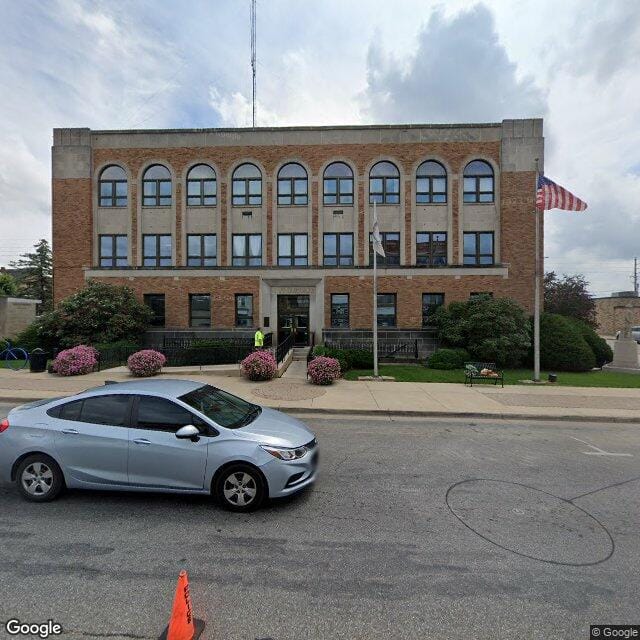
71 431
142 441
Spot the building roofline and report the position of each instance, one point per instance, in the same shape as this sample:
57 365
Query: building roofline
363 127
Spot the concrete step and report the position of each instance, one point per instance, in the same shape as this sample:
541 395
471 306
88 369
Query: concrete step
300 353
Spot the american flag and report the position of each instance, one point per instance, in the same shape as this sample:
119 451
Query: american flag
552 196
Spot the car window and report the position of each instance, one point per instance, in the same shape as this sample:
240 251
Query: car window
224 408
160 414
108 410
70 410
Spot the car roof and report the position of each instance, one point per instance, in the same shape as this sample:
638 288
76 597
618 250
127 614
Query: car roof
168 388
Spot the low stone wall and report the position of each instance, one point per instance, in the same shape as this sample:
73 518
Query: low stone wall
16 314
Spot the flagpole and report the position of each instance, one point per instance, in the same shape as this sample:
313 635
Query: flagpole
536 300
375 299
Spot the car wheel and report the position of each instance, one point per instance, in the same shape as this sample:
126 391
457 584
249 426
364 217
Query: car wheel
240 488
39 478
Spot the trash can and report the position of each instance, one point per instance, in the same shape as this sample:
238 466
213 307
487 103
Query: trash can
38 361
553 377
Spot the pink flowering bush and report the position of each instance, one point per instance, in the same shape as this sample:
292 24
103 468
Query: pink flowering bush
75 362
259 365
145 363
323 370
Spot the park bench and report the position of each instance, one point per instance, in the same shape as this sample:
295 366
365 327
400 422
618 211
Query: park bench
472 371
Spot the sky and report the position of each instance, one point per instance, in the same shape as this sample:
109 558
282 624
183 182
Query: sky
159 63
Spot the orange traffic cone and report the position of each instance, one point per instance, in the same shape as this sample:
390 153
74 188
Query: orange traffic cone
182 625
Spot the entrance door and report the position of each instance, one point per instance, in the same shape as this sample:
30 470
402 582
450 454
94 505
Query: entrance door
293 317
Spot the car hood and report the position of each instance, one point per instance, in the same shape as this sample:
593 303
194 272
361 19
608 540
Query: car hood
277 428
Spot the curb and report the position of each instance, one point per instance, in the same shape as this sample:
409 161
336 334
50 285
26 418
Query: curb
459 414
385 413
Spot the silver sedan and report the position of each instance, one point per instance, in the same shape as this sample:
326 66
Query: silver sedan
157 435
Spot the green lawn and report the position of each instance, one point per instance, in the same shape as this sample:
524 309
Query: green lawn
14 363
419 373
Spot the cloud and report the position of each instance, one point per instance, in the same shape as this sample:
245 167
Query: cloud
459 72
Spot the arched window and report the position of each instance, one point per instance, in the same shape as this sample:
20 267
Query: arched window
113 187
201 186
384 183
156 186
292 184
338 184
431 183
247 185
478 182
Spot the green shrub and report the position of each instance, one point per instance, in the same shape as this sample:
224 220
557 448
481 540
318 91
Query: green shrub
601 350
98 313
120 344
491 330
448 358
562 347
341 355
360 358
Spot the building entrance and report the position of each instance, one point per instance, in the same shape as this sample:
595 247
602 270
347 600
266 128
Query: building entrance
293 317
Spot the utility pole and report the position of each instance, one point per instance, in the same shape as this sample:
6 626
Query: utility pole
253 60
635 275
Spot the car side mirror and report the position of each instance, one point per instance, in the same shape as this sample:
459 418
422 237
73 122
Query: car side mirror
188 432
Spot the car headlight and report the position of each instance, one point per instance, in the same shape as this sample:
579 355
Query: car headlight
285 454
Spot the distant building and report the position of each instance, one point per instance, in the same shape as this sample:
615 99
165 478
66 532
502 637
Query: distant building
611 312
222 230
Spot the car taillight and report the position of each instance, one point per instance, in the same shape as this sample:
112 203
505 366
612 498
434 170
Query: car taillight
4 425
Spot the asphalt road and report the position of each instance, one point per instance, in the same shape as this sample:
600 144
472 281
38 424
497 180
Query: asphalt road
415 529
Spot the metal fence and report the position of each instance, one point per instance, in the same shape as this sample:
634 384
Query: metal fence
180 355
387 348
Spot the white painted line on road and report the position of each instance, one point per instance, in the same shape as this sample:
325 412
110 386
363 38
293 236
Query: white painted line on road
601 452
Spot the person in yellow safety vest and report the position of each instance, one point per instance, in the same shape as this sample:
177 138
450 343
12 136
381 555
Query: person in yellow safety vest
258 339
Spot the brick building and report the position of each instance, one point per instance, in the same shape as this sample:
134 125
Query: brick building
223 230
613 313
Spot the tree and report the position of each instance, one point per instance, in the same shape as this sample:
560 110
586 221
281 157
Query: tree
491 330
8 286
36 274
568 296
99 313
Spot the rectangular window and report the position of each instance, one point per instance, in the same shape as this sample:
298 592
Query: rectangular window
202 250
338 249
244 310
247 192
155 302
430 304
199 310
386 309
292 191
113 193
431 190
431 248
384 190
478 248
338 191
156 250
114 251
340 310
247 250
292 249
391 246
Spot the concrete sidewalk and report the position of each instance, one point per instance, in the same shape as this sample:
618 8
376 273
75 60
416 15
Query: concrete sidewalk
293 393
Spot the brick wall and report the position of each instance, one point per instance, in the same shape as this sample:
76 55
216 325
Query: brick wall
611 314
177 290
71 234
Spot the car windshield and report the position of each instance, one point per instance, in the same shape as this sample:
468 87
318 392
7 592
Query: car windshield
224 409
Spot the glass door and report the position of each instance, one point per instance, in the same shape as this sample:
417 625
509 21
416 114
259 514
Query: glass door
293 318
